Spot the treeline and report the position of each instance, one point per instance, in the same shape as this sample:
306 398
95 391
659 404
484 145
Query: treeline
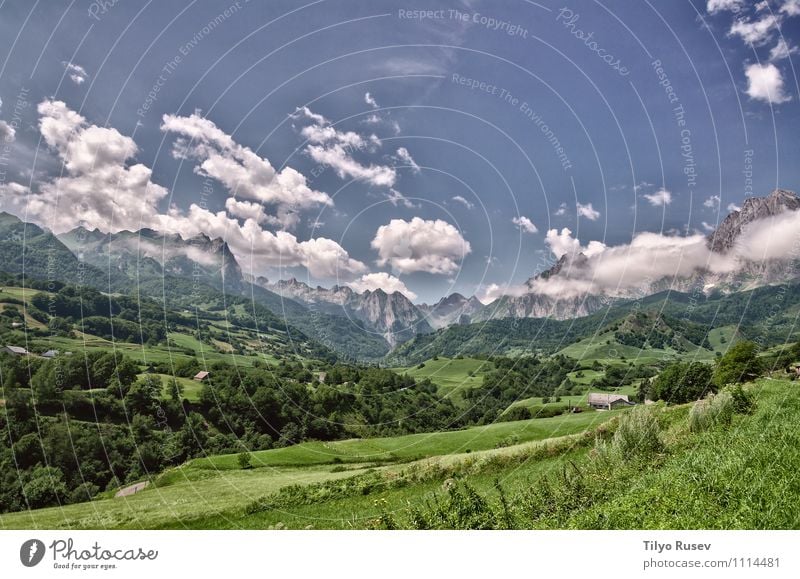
512 379
78 425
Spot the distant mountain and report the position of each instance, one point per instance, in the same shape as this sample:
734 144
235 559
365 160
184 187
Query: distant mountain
747 275
392 316
144 253
28 249
753 209
452 309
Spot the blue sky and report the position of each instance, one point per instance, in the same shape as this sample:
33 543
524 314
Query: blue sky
426 147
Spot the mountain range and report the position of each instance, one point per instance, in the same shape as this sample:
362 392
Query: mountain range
366 324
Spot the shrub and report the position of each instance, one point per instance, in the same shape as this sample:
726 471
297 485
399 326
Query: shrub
743 401
244 460
638 434
682 382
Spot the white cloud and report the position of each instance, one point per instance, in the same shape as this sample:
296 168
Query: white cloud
333 148
101 187
7 132
733 207
465 202
384 281
765 83
405 157
755 32
370 100
524 224
246 210
587 211
781 50
420 245
76 72
562 210
396 198
791 7
241 171
714 6
99 184
712 202
708 226
660 198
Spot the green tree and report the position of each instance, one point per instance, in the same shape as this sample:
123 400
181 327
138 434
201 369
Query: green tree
739 364
683 382
144 396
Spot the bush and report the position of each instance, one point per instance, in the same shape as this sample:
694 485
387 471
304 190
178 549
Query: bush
638 434
743 401
716 410
244 460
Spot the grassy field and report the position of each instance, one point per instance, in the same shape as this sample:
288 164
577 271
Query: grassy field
696 482
452 375
605 349
191 388
217 485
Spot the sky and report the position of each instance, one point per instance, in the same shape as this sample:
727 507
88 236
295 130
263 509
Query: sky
424 147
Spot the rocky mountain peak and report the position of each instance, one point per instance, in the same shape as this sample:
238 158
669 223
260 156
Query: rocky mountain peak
754 208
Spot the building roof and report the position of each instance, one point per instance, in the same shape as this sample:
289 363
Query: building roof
50 354
200 375
606 399
17 349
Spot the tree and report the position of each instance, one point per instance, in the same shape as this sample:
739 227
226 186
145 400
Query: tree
739 364
144 396
44 487
683 382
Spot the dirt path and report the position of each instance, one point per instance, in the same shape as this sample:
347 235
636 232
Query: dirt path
132 489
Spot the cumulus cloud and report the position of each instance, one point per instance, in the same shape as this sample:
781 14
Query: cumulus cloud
370 100
587 211
562 210
240 170
765 83
465 202
524 224
707 226
712 202
432 246
333 148
781 50
406 158
381 280
631 268
102 187
99 184
7 132
733 207
660 198
76 72
755 32
791 7
396 198
714 6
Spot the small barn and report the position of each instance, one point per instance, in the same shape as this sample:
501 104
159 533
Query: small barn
50 354
201 376
601 401
15 350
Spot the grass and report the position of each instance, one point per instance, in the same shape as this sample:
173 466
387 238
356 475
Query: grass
217 487
605 349
415 446
722 338
737 476
451 375
191 388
